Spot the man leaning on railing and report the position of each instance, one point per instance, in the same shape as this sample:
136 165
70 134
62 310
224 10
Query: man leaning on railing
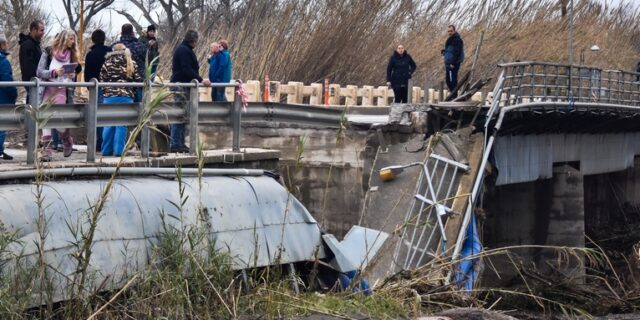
185 69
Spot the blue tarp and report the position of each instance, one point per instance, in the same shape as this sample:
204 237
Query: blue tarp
467 274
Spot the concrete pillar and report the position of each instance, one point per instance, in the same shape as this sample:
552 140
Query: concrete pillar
252 88
315 98
416 97
351 95
294 95
566 217
334 94
367 95
382 96
274 91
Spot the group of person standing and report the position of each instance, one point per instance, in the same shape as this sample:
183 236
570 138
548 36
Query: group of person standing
185 68
401 66
123 61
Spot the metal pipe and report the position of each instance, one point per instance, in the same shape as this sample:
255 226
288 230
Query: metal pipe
127 171
193 118
30 84
31 121
91 119
236 119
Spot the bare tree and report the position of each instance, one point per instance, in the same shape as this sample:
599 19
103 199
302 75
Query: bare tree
18 14
72 8
172 16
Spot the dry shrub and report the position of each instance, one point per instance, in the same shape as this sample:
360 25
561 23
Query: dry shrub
350 41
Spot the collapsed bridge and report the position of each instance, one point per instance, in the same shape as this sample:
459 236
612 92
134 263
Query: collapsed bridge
532 154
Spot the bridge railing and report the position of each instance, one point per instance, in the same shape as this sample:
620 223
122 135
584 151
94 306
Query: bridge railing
525 82
188 110
333 94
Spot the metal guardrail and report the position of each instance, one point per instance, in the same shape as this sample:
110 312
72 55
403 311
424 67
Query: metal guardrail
525 82
192 112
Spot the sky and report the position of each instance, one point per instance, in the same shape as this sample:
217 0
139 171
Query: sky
110 19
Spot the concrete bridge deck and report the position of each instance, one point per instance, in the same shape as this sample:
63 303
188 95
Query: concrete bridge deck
224 158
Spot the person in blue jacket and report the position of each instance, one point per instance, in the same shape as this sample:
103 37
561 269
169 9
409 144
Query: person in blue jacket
8 95
453 53
220 69
214 49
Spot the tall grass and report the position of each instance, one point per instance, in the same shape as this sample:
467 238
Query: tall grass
350 41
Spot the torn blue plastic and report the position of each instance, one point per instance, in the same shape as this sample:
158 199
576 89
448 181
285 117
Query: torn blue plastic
347 278
467 274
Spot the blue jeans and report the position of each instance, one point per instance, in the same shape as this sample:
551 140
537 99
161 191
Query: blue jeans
114 137
451 71
217 94
177 129
3 134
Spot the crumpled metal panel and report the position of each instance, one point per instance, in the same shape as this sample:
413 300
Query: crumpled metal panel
253 218
357 249
531 157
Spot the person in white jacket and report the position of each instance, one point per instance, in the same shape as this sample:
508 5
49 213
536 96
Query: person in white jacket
58 63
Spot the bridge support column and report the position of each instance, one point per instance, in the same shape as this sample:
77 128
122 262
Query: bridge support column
566 217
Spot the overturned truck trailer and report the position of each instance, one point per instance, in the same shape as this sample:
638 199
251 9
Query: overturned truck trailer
243 213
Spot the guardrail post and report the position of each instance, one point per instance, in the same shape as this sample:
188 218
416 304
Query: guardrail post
145 135
367 95
236 118
193 118
31 122
91 120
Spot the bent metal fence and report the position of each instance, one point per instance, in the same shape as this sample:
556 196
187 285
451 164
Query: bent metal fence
191 112
528 82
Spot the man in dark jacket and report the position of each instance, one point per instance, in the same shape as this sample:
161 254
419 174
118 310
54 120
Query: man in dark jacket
399 70
453 53
93 64
153 48
8 95
184 68
30 50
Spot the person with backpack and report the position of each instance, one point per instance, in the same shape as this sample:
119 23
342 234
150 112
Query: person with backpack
118 66
58 63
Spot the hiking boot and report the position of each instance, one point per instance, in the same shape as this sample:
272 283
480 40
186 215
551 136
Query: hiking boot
6 156
67 148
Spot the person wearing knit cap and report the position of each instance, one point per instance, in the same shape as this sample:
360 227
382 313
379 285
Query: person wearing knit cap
153 48
8 95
